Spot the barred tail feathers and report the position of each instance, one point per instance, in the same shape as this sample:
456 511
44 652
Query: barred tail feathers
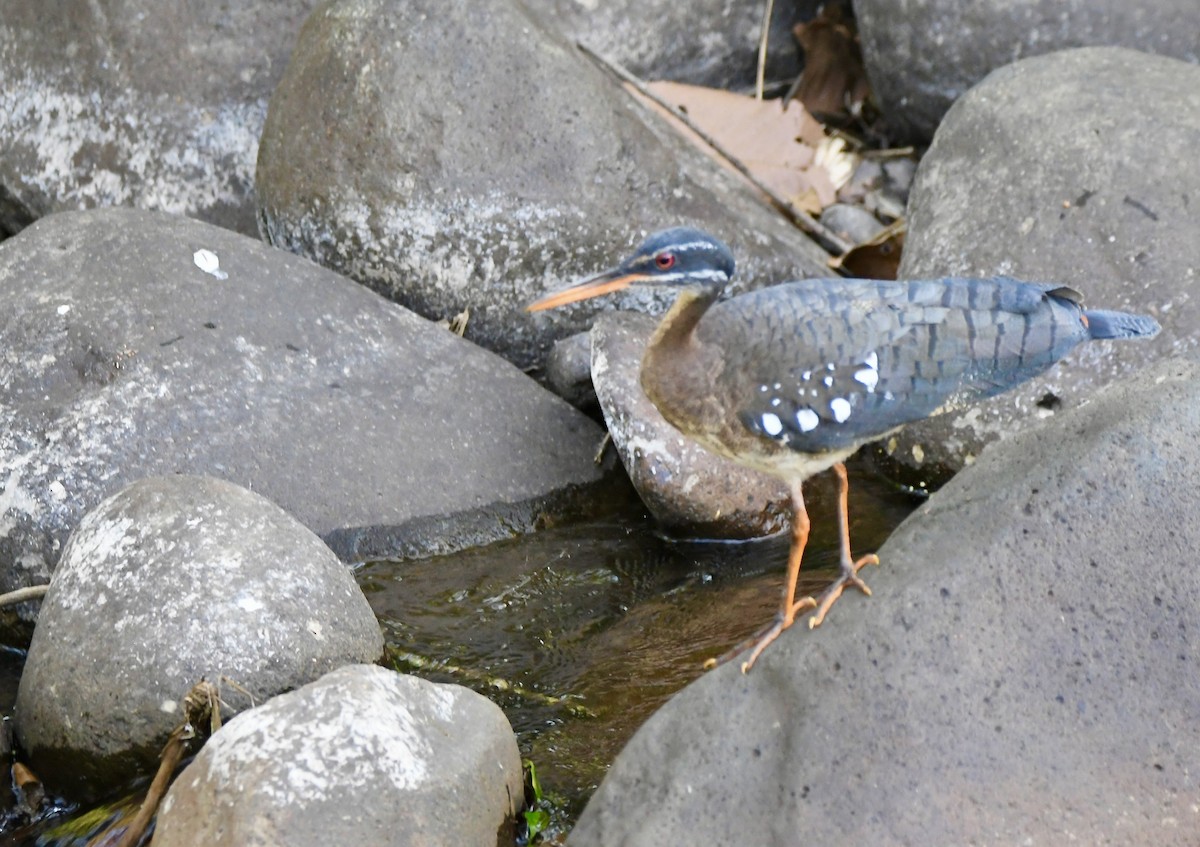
1105 324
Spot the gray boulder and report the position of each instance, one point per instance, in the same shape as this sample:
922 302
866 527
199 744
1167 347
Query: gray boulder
568 370
1024 673
138 103
361 756
689 490
455 156
1032 175
704 42
123 357
170 580
921 55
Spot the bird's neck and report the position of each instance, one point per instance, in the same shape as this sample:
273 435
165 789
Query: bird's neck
677 368
675 330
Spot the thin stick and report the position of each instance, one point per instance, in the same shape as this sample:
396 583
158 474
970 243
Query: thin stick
200 706
827 238
31 592
760 77
171 756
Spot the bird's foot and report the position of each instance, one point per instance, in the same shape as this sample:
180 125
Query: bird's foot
832 593
758 642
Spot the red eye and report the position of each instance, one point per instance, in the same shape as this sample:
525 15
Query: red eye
664 261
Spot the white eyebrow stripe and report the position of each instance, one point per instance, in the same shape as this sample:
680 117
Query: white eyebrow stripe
690 245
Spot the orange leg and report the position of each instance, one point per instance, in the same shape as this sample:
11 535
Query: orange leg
849 566
789 605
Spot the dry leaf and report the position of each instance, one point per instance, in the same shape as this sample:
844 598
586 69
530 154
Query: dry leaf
834 82
777 142
28 788
878 258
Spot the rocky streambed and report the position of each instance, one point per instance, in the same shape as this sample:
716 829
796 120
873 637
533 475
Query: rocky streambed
241 443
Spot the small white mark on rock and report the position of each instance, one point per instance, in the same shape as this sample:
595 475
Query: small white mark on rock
840 407
771 424
807 419
58 491
168 706
64 308
207 261
872 361
887 395
249 604
806 375
918 453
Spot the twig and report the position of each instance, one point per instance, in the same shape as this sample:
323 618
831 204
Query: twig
760 77
827 238
603 448
200 707
30 592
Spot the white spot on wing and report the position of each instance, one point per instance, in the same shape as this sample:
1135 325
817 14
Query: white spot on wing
872 361
806 375
828 382
868 377
807 420
771 424
840 407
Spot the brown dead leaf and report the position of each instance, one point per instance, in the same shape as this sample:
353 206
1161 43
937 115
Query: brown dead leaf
30 793
877 258
777 142
834 82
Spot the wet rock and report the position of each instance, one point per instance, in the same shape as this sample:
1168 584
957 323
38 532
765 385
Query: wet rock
853 223
485 181
1025 668
923 54
154 105
1030 176
171 580
569 370
361 756
705 42
689 490
140 344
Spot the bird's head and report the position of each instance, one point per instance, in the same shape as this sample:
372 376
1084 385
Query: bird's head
681 257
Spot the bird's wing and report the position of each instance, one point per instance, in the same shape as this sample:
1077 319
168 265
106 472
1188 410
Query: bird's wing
823 365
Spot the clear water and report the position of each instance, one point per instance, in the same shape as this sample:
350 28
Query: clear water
579 633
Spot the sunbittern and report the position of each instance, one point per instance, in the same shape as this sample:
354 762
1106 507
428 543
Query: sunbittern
794 378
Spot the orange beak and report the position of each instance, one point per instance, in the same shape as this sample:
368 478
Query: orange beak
604 282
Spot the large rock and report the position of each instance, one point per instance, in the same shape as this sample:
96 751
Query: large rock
689 490
921 55
383 433
361 756
138 103
1030 176
458 156
705 42
171 580
1024 673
